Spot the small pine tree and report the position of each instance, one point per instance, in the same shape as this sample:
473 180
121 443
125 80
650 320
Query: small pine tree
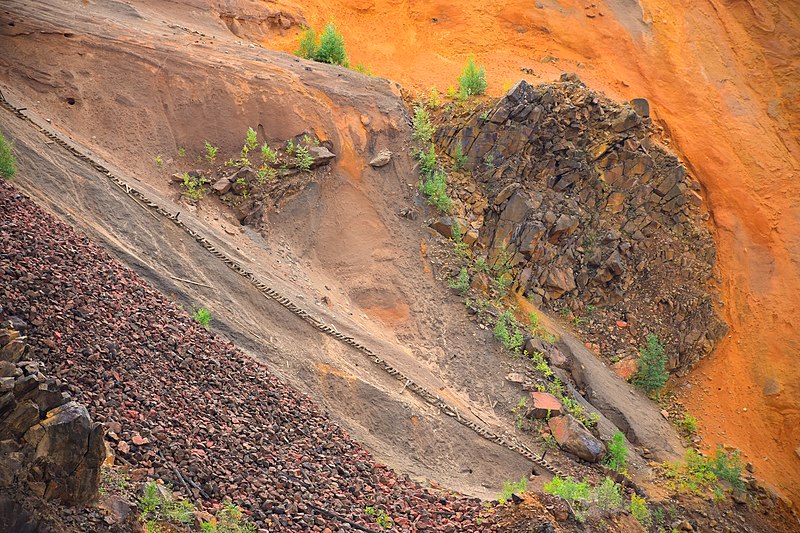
472 81
308 44
331 47
652 373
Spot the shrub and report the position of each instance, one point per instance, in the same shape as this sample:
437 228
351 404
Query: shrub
472 81
250 141
693 474
308 44
268 154
608 495
576 494
508 333
423 128
460 282
617 456
8 164
510 488
640 511
434 188
304 158
728 467
688 424
652 373
203 316
459 159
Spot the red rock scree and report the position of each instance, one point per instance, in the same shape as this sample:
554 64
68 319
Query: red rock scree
167 387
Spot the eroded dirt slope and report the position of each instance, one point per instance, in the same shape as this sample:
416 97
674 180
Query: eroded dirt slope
723 78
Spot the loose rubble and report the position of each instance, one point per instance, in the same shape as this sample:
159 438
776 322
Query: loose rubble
177 398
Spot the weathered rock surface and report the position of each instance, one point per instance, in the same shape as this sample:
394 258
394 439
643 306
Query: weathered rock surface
543 405
382 159
574 194
47 441
572 437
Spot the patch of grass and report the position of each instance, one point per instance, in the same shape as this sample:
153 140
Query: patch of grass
423 128
576 494
434 188
380 516
8 163
617 456
211 151
652 373
472 81
608 495
509 488
203 316
461 282
693 475
640 511
229 519
113 481
156 508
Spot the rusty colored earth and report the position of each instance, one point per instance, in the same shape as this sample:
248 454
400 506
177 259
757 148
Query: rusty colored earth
723 78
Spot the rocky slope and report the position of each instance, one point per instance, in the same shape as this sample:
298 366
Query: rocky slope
176 396
593 215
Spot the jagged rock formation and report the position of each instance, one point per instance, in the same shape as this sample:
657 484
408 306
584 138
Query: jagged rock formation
575 194
48 443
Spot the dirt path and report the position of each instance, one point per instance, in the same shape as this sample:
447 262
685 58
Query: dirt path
722 78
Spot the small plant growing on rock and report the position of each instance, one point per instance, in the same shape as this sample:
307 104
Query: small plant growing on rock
488 160
688 424
158 505
194 187
652 373
250 141
608 495
461 282
380 516
308 44
459 159
508 333
304 158
268 154
640 511
159 161
728 467
434 188
617 456
229 519
548 443
427 161
211 151
423 128
8 164
203 316
181 151
576 494
472 81
510 488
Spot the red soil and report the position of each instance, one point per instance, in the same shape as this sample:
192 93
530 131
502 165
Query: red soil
723 77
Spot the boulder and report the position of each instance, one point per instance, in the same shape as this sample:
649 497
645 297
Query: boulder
382 159
222 186
543 405
444 226
641 106
321 156
626 368
559 281
572 437
625 121
24 415
13 351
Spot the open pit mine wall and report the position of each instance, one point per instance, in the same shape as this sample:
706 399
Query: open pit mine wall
49 446
590 209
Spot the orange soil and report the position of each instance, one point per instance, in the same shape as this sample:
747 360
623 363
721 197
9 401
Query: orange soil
723 77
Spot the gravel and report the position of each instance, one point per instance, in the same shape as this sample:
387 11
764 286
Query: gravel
176 396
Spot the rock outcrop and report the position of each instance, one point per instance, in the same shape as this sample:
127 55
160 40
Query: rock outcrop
572 437
47 441
573 193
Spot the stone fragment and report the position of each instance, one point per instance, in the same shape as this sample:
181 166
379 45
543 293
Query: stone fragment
118 509
572 437
559 281
444 226
222 186
641 106
515 377
626 368
13 351
381 159
24 415
625 121
543 405
321 156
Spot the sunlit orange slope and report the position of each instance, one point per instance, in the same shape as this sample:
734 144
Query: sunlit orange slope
723 79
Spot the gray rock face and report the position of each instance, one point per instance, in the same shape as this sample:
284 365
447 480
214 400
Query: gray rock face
46 440
572 437
572 191
321 155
